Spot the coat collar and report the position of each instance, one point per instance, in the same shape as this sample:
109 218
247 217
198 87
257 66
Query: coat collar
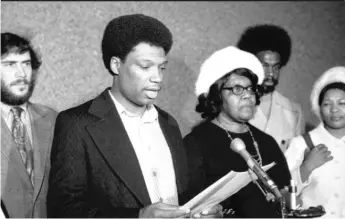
278 103
41 140
10 156
111 138
42 133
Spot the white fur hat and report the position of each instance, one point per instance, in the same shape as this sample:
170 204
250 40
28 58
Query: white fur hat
335 74
224 61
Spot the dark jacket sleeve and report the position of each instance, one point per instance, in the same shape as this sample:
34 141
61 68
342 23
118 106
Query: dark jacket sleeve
68 192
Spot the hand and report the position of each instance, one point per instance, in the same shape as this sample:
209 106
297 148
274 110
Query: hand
318 156
214 212
162 210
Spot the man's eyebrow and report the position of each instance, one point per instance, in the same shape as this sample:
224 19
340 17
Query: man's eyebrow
13 61
8 61
266 63
150 61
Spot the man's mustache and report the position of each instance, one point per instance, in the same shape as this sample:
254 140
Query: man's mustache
270 79
20 81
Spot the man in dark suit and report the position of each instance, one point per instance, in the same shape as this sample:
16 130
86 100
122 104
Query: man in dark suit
26 132
119 155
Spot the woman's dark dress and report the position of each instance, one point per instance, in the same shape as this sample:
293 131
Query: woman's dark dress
210 157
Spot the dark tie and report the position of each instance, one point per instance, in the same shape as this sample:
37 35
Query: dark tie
20 136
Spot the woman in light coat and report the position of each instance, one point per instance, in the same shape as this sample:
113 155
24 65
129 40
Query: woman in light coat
320 172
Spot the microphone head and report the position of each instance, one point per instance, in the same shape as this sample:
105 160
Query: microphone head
237 145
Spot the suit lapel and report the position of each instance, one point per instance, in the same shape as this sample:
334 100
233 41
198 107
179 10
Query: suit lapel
259 120
111 138
267 124
10 156
275 116
41 132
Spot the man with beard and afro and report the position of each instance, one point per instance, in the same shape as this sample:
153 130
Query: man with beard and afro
276 115
26 132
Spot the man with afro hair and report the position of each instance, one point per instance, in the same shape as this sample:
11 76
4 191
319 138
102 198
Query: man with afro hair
119 155
276 115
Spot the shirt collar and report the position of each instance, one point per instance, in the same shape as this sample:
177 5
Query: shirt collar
6 109
329 134
150 114
343 138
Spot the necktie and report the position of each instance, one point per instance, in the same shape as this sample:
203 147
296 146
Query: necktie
20 136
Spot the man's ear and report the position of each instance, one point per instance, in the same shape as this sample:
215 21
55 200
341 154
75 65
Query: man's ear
115 63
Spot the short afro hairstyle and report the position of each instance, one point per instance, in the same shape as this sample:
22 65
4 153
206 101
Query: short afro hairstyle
123 33
266 37
12 43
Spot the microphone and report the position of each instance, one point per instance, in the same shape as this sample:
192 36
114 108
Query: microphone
238 146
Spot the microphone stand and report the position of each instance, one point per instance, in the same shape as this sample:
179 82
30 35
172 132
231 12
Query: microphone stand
272 190
283 209
282 205
271 196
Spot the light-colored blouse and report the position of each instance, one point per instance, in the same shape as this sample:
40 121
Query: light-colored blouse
326 184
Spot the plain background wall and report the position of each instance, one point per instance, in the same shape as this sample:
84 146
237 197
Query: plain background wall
68 36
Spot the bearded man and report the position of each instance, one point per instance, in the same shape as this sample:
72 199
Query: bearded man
26 132
276 115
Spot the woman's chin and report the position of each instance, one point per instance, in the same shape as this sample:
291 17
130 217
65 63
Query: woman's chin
246 118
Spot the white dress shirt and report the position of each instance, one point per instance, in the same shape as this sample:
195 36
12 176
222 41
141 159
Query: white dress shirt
326 184
7 115
153 153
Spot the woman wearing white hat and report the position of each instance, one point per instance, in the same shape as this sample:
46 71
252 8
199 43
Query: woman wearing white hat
319 171
227 91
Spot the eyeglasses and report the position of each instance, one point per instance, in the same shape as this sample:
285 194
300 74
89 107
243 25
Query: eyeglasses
238 89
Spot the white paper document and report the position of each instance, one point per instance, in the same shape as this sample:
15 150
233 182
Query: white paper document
221 190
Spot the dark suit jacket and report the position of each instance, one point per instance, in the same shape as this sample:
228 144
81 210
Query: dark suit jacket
95 171
19 197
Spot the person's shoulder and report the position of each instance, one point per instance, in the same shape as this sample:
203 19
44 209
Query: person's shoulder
297 140
200 135
319 135
100 102
163 113
44 108
263 136
202 129
287 103
166 116
318 130
296 144
257 131
314 133
76 115
270 145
